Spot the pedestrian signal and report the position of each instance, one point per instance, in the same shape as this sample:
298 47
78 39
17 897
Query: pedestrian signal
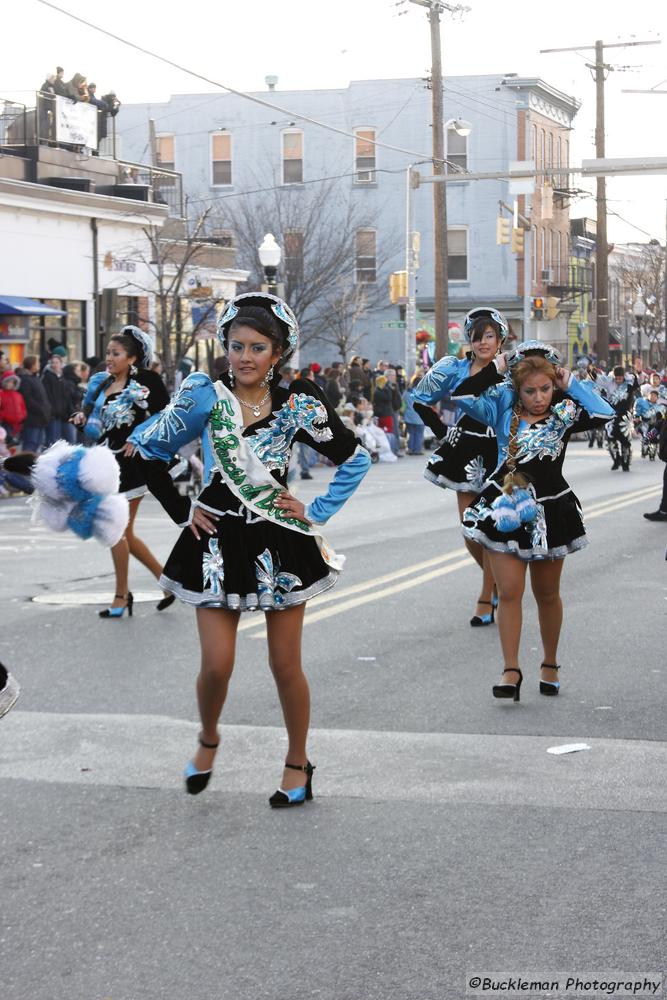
517 240
502 230
537 308
398 287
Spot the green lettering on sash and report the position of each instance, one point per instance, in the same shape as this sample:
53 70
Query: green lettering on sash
250 492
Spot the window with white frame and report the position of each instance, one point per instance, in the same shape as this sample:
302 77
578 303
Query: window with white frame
457 151
221 159
457 253
364 156
292 141
293 245
366 256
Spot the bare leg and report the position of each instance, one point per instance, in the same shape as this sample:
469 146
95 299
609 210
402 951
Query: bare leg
510 575
137 547
217 637
545 581
120 553
284 629
480 555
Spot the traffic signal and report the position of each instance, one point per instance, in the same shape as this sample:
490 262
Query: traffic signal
502 230
398 287
517 240
537 308
552 307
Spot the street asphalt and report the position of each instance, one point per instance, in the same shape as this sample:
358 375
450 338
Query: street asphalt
444 842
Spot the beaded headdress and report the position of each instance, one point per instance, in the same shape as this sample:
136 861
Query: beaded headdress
485 312
144 344
272 304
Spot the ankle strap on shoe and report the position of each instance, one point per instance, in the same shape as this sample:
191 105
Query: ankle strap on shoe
307 768
208 746
550 666
485 602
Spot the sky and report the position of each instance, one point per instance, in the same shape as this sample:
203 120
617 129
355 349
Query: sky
310 44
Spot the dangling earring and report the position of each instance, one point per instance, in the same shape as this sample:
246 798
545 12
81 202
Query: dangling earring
267 378
230 373
133 370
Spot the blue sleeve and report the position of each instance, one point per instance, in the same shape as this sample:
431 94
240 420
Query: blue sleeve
587 395
181 421
641 407
484 398
345 481
440 380
93 388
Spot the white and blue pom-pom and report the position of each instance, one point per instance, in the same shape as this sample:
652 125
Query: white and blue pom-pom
111 519
55 514
68 476
45 472
526 505
505 514
98 471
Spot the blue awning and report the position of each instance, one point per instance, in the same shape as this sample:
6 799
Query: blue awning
14 305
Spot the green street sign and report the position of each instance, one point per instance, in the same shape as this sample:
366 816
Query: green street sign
394 324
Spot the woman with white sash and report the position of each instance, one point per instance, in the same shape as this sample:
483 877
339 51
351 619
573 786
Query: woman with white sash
247 543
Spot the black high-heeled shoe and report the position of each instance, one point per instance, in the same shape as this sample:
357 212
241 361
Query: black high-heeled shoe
549 687
166 602
509 690
477 621
196 781
284 798
119 612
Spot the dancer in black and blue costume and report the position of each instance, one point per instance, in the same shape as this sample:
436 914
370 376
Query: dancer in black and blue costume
468 453
118 400
620 390
527 514
247 543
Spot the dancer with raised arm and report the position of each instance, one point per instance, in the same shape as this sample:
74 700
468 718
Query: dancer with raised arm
469 453
247 543
527 515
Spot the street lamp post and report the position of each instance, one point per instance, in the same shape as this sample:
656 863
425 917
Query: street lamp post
639 312
269 257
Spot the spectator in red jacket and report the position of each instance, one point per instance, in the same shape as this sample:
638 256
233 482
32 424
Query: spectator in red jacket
12 406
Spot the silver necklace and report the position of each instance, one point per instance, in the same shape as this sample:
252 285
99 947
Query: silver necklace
255 407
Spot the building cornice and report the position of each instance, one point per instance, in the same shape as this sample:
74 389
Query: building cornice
59 201
545 99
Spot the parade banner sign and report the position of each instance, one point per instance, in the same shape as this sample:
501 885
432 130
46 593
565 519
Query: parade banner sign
76 123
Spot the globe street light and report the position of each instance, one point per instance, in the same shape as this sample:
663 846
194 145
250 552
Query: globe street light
269 257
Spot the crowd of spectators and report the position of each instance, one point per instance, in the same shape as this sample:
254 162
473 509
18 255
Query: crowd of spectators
76 90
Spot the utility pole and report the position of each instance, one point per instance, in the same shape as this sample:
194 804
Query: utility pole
602 247
440 252
600 72
152 141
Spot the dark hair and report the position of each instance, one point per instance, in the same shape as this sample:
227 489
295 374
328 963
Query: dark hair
480 325
619 370
260 321
29 361
129 344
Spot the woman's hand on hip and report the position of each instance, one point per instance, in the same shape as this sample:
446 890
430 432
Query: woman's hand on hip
291 507
205 521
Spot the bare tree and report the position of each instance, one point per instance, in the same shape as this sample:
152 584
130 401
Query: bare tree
317 230
641 273
172 253
346 304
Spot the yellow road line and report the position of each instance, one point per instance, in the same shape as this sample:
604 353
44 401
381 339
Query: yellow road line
345 592
345 601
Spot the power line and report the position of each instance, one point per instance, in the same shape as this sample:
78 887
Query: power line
239 93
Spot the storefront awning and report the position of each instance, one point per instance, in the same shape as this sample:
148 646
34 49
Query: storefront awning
14 305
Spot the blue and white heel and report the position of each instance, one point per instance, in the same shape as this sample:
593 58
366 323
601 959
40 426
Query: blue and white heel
284 798
550 687
196 781
478 620
119 612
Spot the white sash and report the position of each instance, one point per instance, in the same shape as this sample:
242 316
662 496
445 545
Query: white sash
246 476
